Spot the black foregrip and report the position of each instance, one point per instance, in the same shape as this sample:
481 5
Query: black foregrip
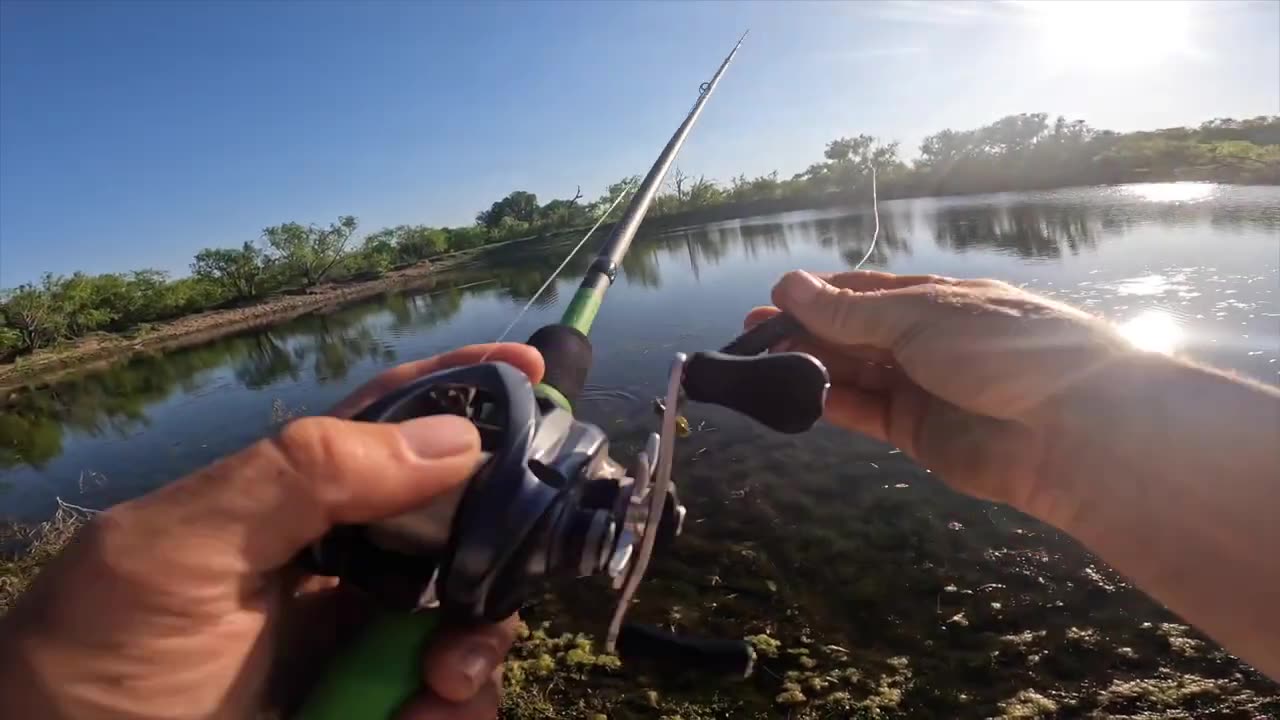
567 353
785 391
659 648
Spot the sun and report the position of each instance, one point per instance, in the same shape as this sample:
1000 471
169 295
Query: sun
1119 34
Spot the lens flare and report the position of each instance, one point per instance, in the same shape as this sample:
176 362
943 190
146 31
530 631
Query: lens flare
1153 331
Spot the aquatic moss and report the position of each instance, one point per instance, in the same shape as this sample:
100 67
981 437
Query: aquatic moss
764 645
790 695
901 663
1027 703
1166 689
1176 636
839 698
1024 639
1087 637
817 684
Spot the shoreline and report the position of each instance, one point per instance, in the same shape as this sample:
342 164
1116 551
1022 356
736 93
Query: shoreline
98 350
101 349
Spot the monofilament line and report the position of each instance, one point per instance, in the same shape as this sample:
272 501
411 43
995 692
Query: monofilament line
875 211
547 284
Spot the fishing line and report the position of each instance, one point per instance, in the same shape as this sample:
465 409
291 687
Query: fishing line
552 279
875 211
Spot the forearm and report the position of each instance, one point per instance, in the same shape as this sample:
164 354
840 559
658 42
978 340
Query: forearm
1171 474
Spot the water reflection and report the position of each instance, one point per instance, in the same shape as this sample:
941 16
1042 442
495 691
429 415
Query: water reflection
852 236
1027 231
948 236
325 345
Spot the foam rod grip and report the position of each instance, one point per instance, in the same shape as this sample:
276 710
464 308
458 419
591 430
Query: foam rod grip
567 353
374 679
785 391
678 654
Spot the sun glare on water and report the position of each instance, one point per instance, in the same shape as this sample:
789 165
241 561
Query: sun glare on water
1116 35
1153 331
1173 192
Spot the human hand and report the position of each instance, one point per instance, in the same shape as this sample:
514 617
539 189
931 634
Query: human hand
963 375
184 604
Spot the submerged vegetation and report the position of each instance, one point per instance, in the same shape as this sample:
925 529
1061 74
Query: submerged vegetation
848 584
1014 153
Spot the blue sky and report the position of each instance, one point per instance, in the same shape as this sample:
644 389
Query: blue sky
134 134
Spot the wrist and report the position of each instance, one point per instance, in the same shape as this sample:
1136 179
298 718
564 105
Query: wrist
1101 429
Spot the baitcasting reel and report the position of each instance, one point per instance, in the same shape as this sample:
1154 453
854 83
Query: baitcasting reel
549 501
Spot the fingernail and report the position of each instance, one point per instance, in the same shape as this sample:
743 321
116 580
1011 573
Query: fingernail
475 662
440 436
801 287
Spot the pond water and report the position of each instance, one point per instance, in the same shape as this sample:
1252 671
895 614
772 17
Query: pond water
946 606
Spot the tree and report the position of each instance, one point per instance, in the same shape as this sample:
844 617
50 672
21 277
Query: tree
309 252
375 256
742 189
419 242
619 192
1015 134
510 228
238 272
85 302
563 213
850 161
32 313
702 192
465 238
519 205
677 181
945 148
11 342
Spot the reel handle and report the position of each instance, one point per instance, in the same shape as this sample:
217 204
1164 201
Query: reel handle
785 391
670 652
764 336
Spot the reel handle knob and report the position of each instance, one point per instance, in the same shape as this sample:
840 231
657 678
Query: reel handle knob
785 391
670 652
764 336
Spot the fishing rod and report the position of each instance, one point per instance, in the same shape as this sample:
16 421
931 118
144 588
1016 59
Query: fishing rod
548 501
565 346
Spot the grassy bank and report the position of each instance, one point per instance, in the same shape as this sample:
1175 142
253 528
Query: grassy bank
103 348
99 348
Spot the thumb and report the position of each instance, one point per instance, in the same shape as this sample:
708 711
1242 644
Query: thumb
840 315
283 493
